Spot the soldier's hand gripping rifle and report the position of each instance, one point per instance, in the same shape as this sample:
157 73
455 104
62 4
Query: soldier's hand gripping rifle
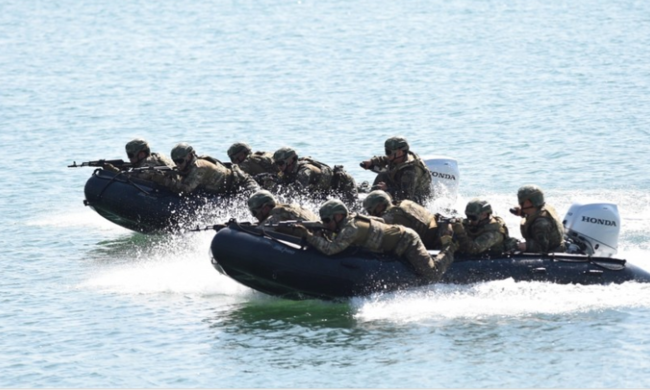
441 219
121 164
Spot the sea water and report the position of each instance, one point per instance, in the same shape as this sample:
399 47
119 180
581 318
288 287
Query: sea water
518 92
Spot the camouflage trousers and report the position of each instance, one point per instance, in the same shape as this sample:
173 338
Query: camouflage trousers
411 247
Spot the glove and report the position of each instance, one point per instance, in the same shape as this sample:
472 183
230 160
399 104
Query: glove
446 241
160 179
458 228
110 167
301 231
511 244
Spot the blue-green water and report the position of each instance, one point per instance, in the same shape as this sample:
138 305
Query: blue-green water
553 93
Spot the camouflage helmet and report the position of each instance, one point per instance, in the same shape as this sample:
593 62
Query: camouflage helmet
396 143
237 148
477 206
284 154
181 151
331 208
136 146
374 199
261 198
532 193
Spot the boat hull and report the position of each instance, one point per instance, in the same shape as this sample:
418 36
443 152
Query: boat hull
139 205
278 265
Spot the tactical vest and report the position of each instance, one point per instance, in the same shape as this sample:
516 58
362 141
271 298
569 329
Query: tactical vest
418 219
556 241
496 224
215 179
320 177
286 212
211 159
413 161
376 236
154 160
423 178
258 162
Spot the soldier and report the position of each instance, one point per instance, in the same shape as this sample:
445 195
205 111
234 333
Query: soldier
482 231
259 164
140 156
252 163
406 213
268 211
313 178
374 235
406 175
201 174
541 227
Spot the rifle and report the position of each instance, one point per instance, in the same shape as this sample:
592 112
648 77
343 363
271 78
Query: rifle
373 168
220 226
311 225
159 168
100 163
451 220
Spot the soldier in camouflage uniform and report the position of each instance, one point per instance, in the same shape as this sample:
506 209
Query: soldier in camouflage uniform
481 232
406 213
268 211
406 176
140 156
541 227
313 178
240 153
258 165
374 235
201 174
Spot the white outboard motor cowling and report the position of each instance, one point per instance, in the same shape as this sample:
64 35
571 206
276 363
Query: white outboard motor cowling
594 228
444 176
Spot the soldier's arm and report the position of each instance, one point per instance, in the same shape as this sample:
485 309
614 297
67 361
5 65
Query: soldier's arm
445 257
540 233
379 161
342 240
244 181
186 184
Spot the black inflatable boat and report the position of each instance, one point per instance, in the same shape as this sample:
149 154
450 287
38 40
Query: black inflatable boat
141 205
279 265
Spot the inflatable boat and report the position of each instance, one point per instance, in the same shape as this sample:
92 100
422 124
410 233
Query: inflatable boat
141 205
146 207
285 266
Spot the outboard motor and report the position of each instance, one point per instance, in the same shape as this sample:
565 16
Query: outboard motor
592 229
445 176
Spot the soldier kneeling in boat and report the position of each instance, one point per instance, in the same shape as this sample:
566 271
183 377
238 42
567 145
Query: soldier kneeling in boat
373 234
541 226
196 173
406 213
404 175
266 209
481 232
